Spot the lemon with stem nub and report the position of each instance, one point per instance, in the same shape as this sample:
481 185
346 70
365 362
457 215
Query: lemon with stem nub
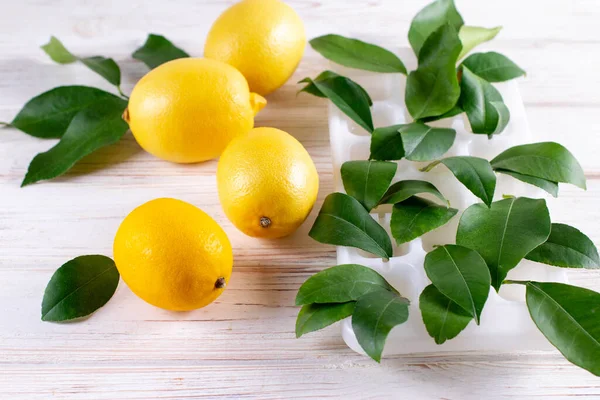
173 255
267 183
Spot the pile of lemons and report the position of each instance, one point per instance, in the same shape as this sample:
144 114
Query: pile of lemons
170 253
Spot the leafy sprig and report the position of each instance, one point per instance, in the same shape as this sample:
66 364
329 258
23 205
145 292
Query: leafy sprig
84 118
492 237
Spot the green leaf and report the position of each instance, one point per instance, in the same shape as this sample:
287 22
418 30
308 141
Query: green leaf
49 114
340 284
374 316
475 173
355 53
504 233
569 318
460 274
90 130
367 181
443 318
58 52
493 67
548 186
79 287
545 160
343 221
403 190
479 100
349 97
105 67
386 144
566 247
313 317
425 143
326 75
433 88
414 217
158 50
473 36
429 19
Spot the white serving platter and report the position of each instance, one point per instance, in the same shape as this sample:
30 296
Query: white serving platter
505 322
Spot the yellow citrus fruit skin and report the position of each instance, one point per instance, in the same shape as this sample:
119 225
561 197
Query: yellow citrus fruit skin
267 174
188 110
173 255
263 39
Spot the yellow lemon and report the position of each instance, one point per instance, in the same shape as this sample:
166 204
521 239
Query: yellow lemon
267 183
188 110
263 39
173 255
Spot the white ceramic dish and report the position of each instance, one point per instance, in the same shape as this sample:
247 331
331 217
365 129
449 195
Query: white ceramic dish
505 322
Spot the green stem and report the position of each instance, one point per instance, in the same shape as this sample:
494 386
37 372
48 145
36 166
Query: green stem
2 123
429 167
514 282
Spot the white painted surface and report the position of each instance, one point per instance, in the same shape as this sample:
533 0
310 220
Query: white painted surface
243 346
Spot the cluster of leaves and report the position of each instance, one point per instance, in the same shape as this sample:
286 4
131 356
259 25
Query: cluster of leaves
84 118
351 289
493 237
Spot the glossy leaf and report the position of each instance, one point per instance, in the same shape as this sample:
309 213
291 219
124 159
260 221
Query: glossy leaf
90 130
429 19
548 186
566 247
569 318
504 233
415 216
547 160
460 274
79 287
313 317
443 318
323 76
158 50
425 143
374 316
473 36
479 100
343 221
345 94
49 114
105 67
367 181
355 53
386 144
340 284
493 67
475 173
433 88
403 190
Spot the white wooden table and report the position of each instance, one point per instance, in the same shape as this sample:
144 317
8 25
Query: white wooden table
243 346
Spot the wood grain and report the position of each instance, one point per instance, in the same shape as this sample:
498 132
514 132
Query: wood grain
244 346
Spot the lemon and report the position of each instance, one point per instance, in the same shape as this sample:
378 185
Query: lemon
188 110
263 39
267 183
173 255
